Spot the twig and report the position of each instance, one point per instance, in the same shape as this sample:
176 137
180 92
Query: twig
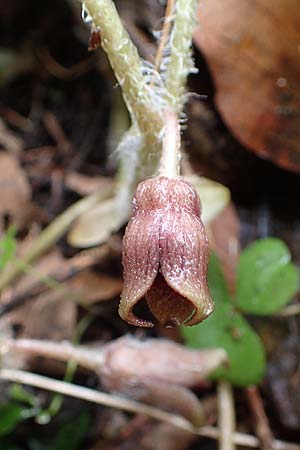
55 130
91 359
226 416
290 310
52 233
91 395
113 401
261 421
65 73
165 33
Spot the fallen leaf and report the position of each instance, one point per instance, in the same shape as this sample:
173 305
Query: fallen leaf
85 185
252 49
223 234
50 316
15 190
95 226
157 360
8 139
92 287
213 196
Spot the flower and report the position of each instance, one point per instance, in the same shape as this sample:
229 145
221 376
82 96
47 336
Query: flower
165 255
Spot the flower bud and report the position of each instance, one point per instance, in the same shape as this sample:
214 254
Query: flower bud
165 255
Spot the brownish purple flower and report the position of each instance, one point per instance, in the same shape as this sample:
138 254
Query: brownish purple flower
165 255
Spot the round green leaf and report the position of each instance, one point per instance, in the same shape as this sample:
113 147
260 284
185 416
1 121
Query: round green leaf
243 346
266 280
227 329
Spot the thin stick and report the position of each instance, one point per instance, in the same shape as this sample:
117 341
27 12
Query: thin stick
113 401
262 425
290 310
94 396
226 416
165 33
170 159
62 351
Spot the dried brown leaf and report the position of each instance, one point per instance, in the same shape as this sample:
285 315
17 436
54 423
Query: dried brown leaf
15 190
252 49
95 226
223 234
85 185
92 287
158 360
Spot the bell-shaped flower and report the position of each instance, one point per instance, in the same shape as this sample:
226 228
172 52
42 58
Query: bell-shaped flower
165 255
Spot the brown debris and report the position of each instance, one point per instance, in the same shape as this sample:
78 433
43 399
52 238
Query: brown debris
223 235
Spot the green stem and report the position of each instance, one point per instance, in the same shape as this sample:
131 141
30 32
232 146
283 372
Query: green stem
140 99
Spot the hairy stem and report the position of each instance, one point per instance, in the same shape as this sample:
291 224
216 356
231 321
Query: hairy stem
127 65
180 63
128 153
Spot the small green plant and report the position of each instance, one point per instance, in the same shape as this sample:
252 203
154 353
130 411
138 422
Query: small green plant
266 281
21 405
8 245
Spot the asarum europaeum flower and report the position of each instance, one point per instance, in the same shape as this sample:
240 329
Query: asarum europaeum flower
165 255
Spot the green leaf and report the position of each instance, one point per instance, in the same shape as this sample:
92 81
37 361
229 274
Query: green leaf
7 247
10 415
266 279
227 329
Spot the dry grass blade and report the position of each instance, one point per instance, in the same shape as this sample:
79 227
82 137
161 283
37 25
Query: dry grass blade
52 233
113 401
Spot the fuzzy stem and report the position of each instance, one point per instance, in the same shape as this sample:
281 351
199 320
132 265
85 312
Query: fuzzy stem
140 99
169 163
128 153
180 63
